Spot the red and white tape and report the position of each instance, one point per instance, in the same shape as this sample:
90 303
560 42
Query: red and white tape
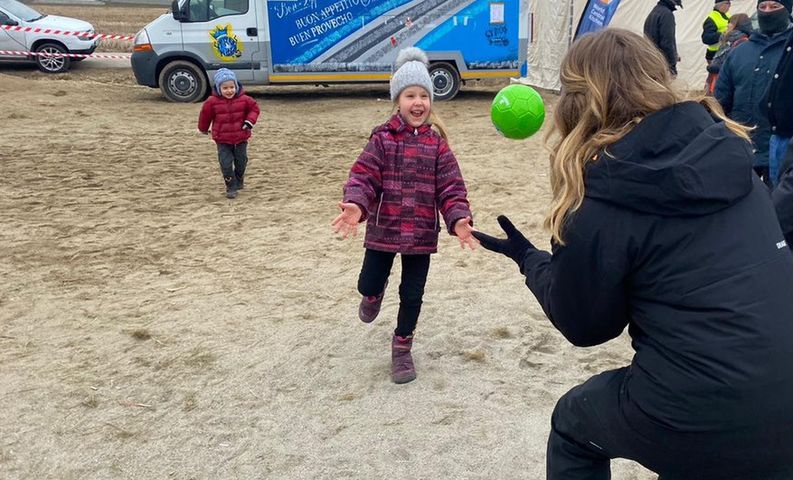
70 55
51 31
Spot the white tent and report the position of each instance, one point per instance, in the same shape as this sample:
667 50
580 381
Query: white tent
555 22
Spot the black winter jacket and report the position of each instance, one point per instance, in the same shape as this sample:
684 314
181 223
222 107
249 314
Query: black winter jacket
659 27
778 102
678 240
743 82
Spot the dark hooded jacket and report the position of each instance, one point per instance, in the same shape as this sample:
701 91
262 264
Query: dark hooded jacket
777 103
659 27
677 239
743 84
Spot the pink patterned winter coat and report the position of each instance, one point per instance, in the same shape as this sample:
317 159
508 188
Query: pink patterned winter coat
403 177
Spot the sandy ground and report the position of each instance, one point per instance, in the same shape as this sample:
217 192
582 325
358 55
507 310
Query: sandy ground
152 329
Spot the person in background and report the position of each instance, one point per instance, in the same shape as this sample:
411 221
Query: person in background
746 75
738 30
778 102
659 225
660 27
714 27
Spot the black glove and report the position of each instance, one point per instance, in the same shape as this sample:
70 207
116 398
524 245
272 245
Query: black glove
515 246
247 125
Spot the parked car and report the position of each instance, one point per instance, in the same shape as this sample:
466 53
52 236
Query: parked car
15 13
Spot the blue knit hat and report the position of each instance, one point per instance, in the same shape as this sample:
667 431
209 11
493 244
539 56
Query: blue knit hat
224 75
411 70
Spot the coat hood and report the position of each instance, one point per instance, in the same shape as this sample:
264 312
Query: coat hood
679 161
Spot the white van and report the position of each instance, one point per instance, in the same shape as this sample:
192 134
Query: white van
13 13
328 41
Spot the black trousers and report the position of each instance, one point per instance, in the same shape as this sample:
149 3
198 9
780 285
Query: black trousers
233 161
374 273
595 422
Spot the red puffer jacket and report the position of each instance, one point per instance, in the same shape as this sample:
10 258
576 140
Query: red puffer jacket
227 116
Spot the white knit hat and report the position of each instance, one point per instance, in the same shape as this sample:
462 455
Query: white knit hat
411 69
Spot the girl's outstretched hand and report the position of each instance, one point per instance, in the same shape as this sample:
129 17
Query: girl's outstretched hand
464 232
347 221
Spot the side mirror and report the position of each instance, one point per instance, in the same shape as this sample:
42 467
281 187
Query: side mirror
180 14
7 21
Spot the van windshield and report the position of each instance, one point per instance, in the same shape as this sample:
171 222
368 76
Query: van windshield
21 11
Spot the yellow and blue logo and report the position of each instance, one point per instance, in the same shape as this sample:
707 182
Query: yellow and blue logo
225 44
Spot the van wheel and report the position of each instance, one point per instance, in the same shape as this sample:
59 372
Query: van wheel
445 80
52 63
182 81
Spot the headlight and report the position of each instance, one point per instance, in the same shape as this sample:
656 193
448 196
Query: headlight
141 38
141 42
89 36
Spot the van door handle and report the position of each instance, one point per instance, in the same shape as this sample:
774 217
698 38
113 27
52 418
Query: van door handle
252 32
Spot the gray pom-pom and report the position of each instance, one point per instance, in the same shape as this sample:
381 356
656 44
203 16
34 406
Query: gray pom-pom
411 54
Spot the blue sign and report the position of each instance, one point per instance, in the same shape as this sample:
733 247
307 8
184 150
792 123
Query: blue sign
366 35
302 30
486 39
597 16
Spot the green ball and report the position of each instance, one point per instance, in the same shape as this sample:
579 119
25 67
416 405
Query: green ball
517 111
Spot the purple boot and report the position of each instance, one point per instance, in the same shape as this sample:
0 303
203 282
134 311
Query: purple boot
402 369
370 306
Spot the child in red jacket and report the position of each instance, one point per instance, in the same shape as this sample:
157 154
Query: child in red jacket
232 114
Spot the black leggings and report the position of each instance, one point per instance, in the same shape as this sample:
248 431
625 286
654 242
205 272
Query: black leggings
233 161
374 273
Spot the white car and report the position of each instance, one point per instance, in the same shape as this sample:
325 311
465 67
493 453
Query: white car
16 14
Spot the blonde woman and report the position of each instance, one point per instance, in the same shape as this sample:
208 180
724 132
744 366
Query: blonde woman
658 223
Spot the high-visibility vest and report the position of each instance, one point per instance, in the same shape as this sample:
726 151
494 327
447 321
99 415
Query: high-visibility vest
721 25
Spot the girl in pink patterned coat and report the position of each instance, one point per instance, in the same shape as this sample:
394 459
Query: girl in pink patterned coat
404 177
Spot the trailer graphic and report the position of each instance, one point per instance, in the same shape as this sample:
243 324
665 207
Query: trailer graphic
328 41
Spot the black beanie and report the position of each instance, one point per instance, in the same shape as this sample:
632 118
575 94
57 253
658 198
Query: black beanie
788 4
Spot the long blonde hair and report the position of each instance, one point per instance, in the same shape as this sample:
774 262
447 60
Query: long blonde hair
611 80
